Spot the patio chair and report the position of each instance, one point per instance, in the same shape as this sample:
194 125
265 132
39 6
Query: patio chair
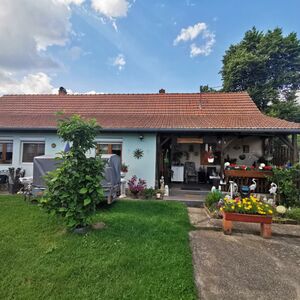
190 173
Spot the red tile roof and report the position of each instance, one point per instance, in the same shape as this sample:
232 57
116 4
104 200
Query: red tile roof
230 111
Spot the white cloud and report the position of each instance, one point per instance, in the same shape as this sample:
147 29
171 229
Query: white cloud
38 83
199 30
190 33
111 8
119 62
27 30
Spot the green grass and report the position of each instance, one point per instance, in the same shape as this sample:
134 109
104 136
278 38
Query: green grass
143 253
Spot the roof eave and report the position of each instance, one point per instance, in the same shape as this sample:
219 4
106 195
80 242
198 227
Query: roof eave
140 129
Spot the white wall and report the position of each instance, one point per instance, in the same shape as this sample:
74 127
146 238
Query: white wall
143 168
235 149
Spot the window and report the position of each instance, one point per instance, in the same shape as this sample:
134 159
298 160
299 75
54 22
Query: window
6 152
32 149
109 148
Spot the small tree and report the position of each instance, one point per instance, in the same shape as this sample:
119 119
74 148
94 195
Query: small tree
74 189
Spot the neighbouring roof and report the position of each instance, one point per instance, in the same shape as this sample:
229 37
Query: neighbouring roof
168 111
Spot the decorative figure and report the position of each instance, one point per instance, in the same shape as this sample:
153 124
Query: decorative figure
167 192
138 153
273 191
252 187
162 184
233 188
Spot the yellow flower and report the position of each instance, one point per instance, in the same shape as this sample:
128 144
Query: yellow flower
221 209
270 211
232 207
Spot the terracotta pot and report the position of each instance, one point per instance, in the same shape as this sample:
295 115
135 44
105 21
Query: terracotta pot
228 216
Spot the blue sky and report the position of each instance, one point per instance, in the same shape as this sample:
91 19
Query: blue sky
135 50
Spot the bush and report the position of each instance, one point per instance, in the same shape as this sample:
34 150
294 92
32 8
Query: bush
149 193
74 189
213 198
293 214
286 179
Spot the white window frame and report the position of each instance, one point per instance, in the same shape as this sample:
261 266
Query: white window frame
30 141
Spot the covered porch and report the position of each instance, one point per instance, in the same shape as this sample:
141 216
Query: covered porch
192 162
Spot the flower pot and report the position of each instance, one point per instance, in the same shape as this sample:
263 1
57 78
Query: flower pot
228 216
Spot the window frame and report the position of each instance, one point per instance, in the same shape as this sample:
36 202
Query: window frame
30 142
109 144
4 143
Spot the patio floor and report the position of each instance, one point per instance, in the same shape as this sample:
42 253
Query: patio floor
244 265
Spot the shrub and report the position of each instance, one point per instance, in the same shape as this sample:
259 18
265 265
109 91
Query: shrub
136 185
213 198
74 189
286 179
294 214
149 193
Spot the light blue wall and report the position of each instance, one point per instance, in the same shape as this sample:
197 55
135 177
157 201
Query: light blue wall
143 168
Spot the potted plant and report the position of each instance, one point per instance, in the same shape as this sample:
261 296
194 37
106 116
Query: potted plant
124 170
136 186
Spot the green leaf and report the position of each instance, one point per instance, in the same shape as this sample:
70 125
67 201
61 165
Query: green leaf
62 209
86 201
83 191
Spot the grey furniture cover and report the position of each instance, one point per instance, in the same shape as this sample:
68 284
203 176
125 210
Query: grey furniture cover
112 173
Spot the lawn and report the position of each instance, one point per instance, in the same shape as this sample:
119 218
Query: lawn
143 253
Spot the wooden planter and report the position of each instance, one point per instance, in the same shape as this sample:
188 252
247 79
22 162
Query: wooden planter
265 222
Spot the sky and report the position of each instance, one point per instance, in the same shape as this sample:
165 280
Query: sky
127 46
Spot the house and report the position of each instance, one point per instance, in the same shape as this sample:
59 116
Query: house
155 134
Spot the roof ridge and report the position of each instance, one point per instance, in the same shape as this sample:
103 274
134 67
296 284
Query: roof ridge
122 94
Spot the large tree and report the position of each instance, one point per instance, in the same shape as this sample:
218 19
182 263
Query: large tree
267 66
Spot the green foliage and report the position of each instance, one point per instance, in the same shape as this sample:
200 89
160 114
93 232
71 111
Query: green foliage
267 65
293 214
213 198
288 110
73 189
149 193
207 89
286 179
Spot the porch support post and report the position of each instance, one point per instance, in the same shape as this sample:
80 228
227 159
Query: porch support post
222 157
295 153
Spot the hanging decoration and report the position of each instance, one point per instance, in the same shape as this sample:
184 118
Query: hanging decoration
138 153
210 157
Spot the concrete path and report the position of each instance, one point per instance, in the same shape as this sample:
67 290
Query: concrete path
244 265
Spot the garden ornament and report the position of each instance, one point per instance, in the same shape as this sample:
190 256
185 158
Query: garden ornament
233 188
252 187
167 192
273 189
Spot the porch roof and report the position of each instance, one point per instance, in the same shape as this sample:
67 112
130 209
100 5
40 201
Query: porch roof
146 112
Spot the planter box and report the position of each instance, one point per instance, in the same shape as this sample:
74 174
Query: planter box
265 222
248 174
